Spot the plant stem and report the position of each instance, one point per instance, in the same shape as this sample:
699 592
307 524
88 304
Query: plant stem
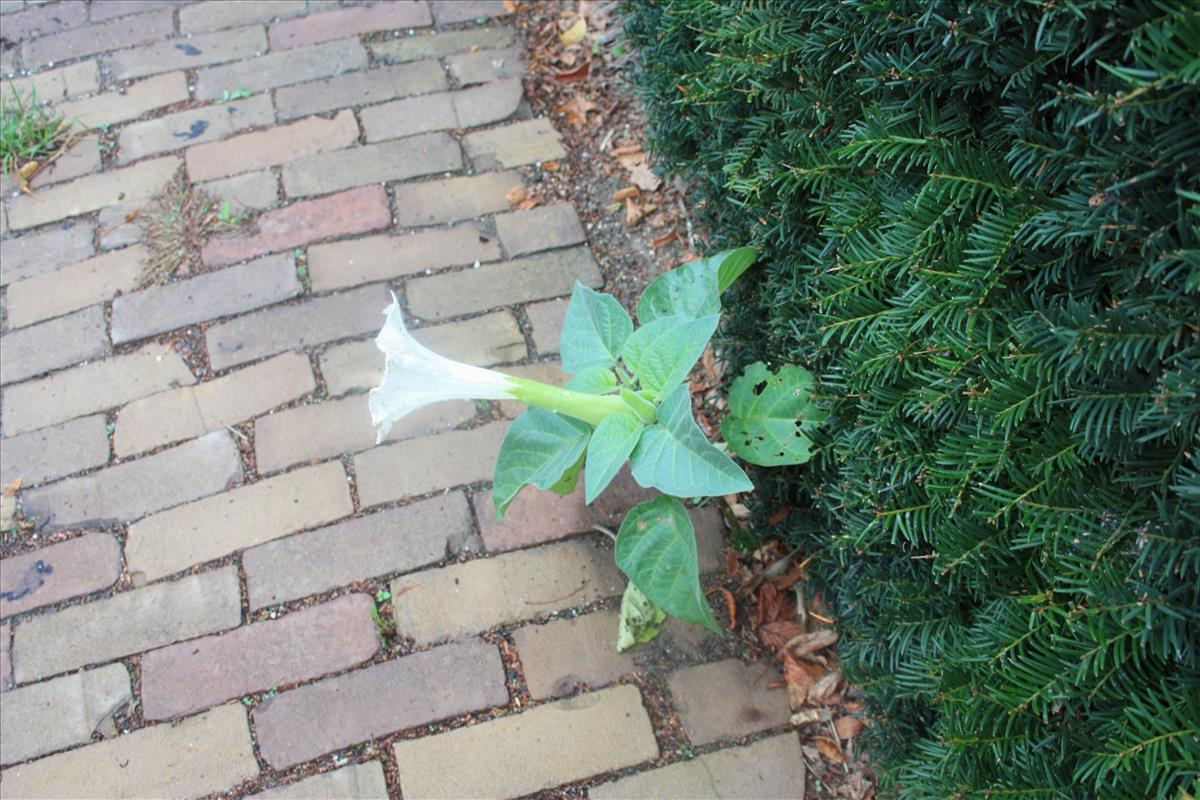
591 408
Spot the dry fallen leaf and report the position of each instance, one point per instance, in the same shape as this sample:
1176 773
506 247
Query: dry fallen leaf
529 202
633 212
511 6
848 727
550 166
574 34
665 239
776 635
515 196
644 178
806 715
24 174
829 749
12 488
576 110
624 194
627 149
577 74
824 690
806 644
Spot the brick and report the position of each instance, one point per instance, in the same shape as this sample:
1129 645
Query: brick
39 253
544 228
345 22
305 644
107 9
119 226
86 41
315 321
463 599
436 45
126 623
490 102
359 88
529 278
571 653
514 145
726 700
216 15
537 749
482 66
57 572
71 288
192 411
199 756
356 782
58 343
281 69
44 20
396 160
412 115
251 151
254 191
207 296
453 199
192 127
546 323
82 158
132 102
769 769
217 526
56 84
49 716
393 540
6 674
376 258
132 490
191 53
8 511
54 452
417 466
92 387
346 213
396 695
325 430
92 193
447 12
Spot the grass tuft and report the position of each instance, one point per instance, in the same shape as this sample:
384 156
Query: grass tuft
29 130
175 225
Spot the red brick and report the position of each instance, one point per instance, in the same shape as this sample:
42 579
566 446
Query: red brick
86 41
68 569
353 211
345 22
202 673
251 151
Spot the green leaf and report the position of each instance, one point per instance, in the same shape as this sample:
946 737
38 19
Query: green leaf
769 414
640 619
640 406
611 443
675 457
568 480
594 330
732 264
656 549
693 290
661 353
538 448
593 380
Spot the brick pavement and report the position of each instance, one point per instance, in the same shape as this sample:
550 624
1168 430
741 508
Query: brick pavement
200 534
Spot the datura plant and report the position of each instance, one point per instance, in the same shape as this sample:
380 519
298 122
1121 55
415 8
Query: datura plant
627 399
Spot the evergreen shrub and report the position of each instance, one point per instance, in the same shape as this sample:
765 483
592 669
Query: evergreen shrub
979 227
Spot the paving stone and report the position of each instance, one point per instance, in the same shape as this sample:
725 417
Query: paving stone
51 453
514 145
57 572
482 66
315 321
92 387
356 782
56 84
726 700
393 540
191 53
468 598
769 769
447 12
417 466
132 490
203 755
195 126
253 191
8 511
540 748
167 542
396 695
490 102
343 214
44 20
126 623
436 45
92 39
201 673
49 716
92 193
409 116
324 430
281 69
546 322
543 228
134 101
58 343
6 673
376 258
192 411
350 21
453 199
251 151
82 158
207 296
119 226
39 253
107 9
571 653
533 277
71 288
219 14
359 88
396 160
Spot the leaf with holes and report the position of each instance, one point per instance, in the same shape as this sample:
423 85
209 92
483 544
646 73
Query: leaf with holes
661 353
770 415
539 448
594 330
611 443
694 290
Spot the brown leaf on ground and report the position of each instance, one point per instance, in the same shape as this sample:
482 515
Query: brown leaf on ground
515 196
627 149
799 679
511 6
12 488
806 644
829 748
776 635
634 211
628 192
645 178
665 239
824 691
848 727
24 174
576 110
550 166
572 75
529 202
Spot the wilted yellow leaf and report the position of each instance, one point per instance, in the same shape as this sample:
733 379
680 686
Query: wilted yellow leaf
574 34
